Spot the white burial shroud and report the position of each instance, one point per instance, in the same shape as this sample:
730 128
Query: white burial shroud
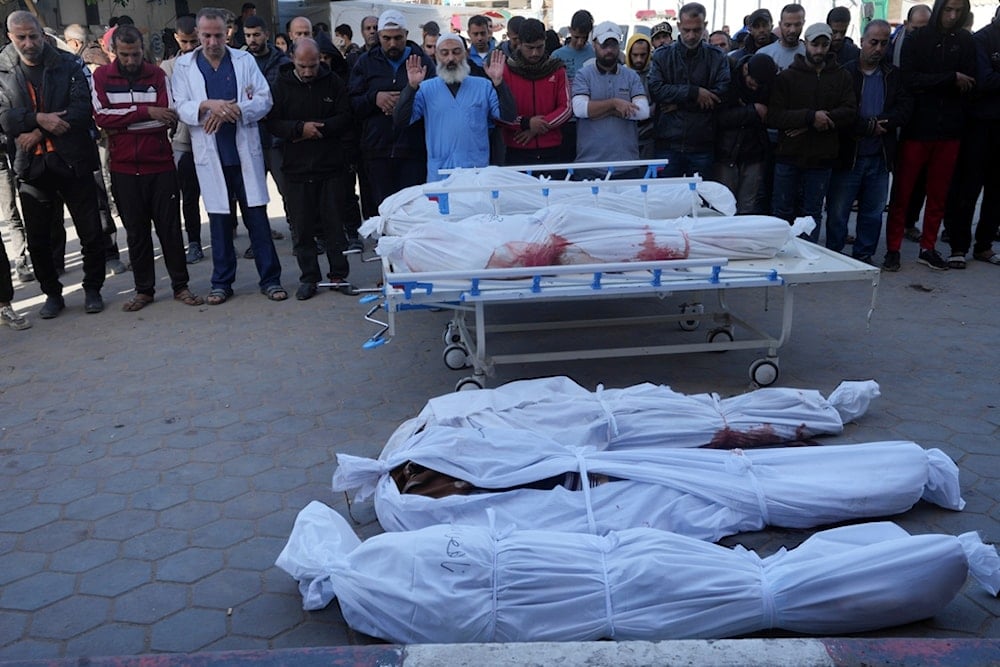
645 415
454 583
702 493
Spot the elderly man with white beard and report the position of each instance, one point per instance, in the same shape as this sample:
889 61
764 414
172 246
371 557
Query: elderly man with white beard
456 108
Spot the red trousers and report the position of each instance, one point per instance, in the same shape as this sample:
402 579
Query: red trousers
940 158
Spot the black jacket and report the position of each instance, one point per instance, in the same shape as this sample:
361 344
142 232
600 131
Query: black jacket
799 92
325 100
986 104
750 47
379 138
849 52
742 135
897 110
674 79
930 58
64 88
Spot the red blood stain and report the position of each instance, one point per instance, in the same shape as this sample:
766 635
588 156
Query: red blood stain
544 253
652 252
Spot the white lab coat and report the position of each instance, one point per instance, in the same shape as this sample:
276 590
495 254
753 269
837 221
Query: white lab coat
254 99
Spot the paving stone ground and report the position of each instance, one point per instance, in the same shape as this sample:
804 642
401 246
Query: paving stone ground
152 463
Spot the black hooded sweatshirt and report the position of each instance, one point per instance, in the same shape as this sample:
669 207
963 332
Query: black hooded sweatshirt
931 56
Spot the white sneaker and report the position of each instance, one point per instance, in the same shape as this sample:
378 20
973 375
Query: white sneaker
17 322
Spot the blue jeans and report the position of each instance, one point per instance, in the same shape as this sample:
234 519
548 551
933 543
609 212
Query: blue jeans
789 181
259 229
868 182
686 164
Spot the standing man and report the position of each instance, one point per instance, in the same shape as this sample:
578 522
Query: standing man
186 35
842 46
45 113
574 55
638 57
451 95
479 40
609 101
812 100
868 146
312 117
687 81
939 69
239 39
221 95
395 158
661 34
132 103
788 45
760 33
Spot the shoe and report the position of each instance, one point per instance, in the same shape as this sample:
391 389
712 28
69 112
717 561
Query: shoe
92 302
24 274
355 244
956 261
912 234
12 319
52 307
932 259
891 262
194 253
988 256
305 291
249 253
116 267
276 235
849 239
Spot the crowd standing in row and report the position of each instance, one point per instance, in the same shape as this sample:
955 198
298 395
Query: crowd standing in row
794 121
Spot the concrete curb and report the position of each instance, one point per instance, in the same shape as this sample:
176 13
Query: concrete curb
903 652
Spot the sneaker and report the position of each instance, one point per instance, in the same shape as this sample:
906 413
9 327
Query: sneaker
116 267
956 261
194 253
92 302
932 259
891 262
249 253
24 274
912 234
12 319
355 244
52 307
305 291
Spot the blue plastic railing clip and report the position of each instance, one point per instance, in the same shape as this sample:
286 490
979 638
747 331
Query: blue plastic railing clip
444 207
409 287
495 194
716 270
644 188
692 186
475 287
594 190
536 284
657 276
597 280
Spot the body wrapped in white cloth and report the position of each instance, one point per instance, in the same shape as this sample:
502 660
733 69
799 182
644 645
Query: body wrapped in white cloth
454 583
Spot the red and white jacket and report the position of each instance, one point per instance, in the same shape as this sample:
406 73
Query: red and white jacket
548 97
137 144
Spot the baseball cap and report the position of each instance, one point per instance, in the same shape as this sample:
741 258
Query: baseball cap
661 27
391 19
817 30
607 30
760 15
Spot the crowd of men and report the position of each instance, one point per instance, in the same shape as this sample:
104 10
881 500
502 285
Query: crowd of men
793 117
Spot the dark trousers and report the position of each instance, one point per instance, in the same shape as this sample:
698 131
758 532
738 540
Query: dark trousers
977 170
6 284
145 199
39 198
315 209
389 175
187 181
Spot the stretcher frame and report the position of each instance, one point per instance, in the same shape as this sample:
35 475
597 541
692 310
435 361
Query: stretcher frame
472 295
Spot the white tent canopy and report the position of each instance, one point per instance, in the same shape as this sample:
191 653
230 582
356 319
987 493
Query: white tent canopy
454 583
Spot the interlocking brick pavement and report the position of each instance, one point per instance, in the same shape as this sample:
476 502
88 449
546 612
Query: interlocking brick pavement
152 463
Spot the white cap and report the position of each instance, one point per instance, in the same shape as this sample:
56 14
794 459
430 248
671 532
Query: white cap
391 19
450 37
607 30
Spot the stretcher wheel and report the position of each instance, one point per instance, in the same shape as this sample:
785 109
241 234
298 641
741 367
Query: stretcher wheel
456 357
469 384
720 336
693 308
764 372
451 335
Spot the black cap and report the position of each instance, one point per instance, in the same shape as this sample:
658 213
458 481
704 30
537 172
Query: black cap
760 15
762 68
661 27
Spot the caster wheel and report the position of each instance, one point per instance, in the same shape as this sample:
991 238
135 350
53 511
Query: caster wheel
456 357
764 372
693 308
468 384
451 336
720 336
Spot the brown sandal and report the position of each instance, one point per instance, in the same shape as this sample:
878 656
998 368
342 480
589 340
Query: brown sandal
188 298
137 302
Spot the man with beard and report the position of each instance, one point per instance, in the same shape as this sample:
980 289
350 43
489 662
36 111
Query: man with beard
842 46
811 101
45 111
661 35
454 97
760 33
687 81
784 50
394 158
609 101
939 69
868 147
638 55
541 91
221 95
131 102
742 146
312 115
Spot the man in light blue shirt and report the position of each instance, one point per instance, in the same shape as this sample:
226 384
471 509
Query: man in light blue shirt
783 51
575 55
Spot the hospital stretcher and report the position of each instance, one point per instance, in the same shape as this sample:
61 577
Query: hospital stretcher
474 296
